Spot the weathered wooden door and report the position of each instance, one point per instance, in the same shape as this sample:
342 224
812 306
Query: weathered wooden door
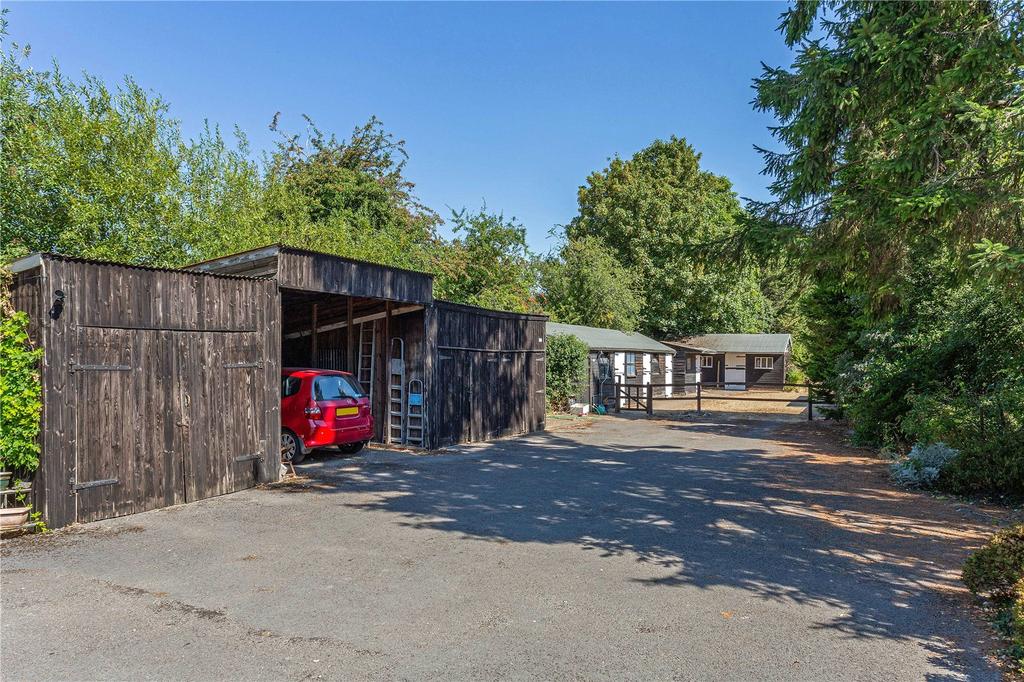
219 399
125 459
165 417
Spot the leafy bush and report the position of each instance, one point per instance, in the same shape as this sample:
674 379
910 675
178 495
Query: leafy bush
795 375
20 392
923 465
1017 620
995 569
567 369
948 368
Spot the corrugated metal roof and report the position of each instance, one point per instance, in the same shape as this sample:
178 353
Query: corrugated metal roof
737 343
33 260
609 339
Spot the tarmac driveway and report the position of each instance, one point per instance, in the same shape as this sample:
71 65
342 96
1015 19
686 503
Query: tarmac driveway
631 549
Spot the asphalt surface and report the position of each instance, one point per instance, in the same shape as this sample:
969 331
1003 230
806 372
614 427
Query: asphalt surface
633 549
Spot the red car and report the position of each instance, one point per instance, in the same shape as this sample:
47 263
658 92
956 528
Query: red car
322 407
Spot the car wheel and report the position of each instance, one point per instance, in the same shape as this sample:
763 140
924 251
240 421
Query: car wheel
291 448
352 448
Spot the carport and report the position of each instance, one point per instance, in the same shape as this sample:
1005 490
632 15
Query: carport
363 318
162 386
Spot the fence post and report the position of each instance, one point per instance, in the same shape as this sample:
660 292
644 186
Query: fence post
650 400
698 396
810 404
618 402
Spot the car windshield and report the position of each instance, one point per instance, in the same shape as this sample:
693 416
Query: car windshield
335 386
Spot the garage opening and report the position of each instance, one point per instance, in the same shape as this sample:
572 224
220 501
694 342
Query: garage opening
380 342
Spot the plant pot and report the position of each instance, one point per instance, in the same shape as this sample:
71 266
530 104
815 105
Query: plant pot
12 517
5 479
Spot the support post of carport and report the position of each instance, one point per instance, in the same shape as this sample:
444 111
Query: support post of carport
350 363
386 374
312 336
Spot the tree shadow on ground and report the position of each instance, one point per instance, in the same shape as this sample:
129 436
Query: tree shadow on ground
768 507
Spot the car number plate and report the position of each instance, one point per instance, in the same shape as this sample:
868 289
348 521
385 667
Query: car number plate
346 411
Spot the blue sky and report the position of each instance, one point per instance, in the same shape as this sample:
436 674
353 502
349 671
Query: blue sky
512 104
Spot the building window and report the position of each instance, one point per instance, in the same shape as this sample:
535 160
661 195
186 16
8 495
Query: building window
630 365
707 361
764 362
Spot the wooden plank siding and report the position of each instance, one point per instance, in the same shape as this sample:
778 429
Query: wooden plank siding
310 271
162 386
156 388
775 375
490 373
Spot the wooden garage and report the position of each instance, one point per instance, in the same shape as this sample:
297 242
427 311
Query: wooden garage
159 386
162 386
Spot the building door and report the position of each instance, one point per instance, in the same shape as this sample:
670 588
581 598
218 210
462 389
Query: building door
735 371
164 417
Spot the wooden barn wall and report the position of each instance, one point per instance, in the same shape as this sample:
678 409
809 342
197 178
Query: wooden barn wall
330 274
489 379
775 375
141 372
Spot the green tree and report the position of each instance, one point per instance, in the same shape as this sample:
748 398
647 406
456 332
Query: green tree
902 126
566 367
86 170
663 218
487 264
584 284
357 182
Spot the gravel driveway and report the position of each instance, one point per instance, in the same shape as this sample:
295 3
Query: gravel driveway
636 549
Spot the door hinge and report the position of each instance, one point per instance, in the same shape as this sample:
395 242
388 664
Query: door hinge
76 367
249 457
93 484
241 365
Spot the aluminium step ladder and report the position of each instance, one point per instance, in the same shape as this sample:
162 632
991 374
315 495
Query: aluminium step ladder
415 419
396 392
367 344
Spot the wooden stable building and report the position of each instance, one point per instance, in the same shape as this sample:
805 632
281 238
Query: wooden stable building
162 386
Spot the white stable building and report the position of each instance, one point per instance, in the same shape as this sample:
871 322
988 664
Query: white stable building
620 357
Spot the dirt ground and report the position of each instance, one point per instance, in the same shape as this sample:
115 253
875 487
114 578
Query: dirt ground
721 401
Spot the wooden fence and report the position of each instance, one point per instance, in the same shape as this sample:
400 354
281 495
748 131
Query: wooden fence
640 397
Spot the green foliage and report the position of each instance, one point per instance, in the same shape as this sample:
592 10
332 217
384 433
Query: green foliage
584 284
901 126
952 372
994 569
487 264
1017 628
898 190
87 170
567 370
662 218
105 173
20 391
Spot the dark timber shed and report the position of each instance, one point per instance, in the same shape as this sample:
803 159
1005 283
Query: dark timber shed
162 386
